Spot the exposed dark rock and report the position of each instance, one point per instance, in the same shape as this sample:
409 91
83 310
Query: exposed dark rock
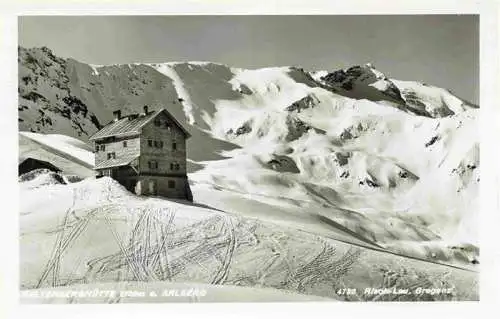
335 76
346 135
342 159
243 89
348 85
34 96
371 183
355 71
26 80
95 121
65 112
296 128
283 164
29 59
304 103
76 105
433 140
244 129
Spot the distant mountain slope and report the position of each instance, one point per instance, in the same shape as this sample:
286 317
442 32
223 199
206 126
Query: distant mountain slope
395 162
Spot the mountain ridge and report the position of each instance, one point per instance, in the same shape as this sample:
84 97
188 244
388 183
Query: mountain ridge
366 70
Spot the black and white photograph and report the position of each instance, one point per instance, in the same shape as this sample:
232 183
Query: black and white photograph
248 158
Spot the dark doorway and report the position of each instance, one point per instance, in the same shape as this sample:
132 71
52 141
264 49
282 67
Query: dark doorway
130 185
29 164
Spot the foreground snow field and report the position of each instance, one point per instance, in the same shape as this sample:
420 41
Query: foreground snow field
94 231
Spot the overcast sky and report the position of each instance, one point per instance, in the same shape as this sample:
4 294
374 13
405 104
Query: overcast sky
438 50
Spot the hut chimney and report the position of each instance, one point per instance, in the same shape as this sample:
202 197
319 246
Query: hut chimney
117 114
145 110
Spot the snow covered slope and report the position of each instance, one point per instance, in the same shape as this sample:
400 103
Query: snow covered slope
394 162
72 156
94 234
70 147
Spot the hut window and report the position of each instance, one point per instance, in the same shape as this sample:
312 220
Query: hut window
153 164
111 155
124 143
157 121
150 143
174 146
158 144
171 184
103 147
97 148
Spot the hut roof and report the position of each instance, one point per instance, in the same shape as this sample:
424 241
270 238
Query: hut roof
130 125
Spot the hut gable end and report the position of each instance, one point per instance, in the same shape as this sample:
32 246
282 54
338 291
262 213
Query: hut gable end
163 147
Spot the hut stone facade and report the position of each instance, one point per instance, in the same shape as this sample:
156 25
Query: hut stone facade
145 152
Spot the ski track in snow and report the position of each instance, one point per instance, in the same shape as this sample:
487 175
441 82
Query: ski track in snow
159 240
